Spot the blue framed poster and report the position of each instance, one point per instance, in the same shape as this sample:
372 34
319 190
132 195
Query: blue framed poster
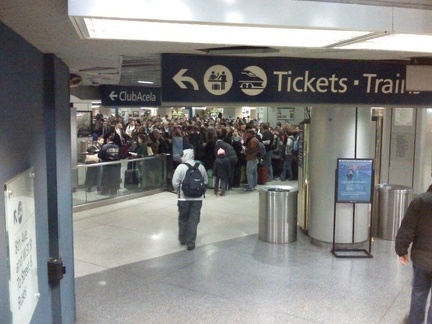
177 148
354 180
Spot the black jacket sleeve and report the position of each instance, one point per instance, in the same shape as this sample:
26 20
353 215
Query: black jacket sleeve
406 232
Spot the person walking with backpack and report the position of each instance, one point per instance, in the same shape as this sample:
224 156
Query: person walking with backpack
189 182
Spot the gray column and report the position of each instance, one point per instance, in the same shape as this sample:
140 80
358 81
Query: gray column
342 132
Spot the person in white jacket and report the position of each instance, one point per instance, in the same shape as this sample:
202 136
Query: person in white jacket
189 207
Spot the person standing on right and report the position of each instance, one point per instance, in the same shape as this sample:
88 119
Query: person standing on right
416 229
251 150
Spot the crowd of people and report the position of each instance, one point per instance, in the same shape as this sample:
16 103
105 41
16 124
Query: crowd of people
235 140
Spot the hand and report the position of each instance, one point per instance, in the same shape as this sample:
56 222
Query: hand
404 259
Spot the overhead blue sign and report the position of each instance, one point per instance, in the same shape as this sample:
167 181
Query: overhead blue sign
119 96
221 79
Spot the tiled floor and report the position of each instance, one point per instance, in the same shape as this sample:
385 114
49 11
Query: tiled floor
130 268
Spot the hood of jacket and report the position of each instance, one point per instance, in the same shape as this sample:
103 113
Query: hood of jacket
189 156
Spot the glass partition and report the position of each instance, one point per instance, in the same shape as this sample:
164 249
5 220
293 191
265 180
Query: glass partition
110 180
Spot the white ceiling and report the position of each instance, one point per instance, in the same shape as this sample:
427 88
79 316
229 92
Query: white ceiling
46 25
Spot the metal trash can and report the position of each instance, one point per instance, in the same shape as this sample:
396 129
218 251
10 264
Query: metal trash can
392 202
278 214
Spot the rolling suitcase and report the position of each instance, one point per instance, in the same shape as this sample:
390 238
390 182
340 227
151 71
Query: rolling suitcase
262 171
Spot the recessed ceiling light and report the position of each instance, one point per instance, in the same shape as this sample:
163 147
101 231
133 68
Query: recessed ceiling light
98 28
395 42
145 82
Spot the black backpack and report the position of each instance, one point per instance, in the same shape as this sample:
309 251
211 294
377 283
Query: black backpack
193 182
274 142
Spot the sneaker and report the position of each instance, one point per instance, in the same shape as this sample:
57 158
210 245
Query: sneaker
248 189
190 247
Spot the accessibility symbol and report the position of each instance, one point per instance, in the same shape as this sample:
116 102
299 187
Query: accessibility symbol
218 80
253 80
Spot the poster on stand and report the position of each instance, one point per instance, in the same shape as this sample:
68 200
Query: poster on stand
354 180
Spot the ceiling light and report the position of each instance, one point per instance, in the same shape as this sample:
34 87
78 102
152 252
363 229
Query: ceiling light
145 82
395 42
210 34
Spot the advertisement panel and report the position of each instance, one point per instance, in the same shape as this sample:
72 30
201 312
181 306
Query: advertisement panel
22 258
354 181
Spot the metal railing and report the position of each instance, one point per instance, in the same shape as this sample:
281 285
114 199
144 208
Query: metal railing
131 177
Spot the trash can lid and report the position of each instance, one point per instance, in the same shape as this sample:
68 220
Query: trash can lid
278 189
387 186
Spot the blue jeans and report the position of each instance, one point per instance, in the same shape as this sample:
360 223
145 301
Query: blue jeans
421 285
189 217
251 173
267 162
287 168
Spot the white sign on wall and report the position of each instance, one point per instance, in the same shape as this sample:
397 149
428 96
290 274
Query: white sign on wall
21 233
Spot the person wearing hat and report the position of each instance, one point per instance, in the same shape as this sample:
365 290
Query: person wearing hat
221 172
189 207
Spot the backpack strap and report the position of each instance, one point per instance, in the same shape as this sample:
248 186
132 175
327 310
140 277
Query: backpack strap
181 182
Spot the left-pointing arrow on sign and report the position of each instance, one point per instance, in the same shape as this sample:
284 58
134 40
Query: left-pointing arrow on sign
180 79
113 95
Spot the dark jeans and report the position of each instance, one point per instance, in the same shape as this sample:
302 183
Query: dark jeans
267 162
189 217
421 285
287 168
231 173
223 184
110 182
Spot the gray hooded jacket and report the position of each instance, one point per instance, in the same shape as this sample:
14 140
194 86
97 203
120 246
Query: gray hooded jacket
180 172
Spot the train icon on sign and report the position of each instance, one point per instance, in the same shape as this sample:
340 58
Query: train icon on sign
253 80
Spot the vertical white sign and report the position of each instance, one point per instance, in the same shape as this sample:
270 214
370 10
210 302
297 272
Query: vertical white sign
21 233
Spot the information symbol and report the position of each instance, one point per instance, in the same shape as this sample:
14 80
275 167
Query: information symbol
218 80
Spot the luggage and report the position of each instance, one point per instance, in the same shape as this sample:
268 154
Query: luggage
243 177
210 179
262 171
132 178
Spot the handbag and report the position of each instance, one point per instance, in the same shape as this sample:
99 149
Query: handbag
91 158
